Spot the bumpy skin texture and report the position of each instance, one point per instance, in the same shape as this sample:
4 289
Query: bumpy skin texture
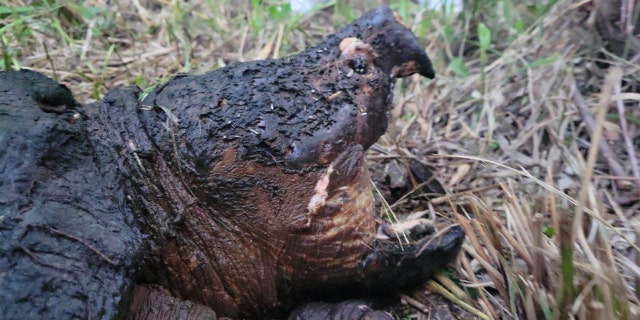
152 302
247 184
52 194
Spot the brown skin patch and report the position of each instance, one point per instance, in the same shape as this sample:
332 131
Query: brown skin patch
405 69
152 302
189 262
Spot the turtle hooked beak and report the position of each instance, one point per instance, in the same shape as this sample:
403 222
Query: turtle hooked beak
410 56
399 51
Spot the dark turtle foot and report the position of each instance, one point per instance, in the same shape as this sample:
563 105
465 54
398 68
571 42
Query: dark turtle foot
392 265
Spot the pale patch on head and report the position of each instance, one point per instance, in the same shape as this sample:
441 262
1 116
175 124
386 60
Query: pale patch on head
351 47
349 42
320 191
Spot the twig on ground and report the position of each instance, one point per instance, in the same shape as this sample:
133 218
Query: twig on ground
145 56
53 66
415 303
627 140
608 155
83 242
438 288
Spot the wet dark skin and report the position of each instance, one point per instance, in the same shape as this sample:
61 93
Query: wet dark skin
245 190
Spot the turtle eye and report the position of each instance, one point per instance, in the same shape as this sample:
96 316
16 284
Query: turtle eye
359 65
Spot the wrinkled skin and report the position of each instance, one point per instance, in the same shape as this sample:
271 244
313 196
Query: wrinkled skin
242 191
56 203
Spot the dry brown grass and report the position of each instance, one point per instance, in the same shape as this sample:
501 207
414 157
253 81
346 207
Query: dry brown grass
551 216
539 169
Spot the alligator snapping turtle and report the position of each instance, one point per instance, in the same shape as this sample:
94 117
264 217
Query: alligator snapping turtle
241 191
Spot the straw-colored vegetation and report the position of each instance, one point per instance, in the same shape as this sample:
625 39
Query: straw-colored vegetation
533 126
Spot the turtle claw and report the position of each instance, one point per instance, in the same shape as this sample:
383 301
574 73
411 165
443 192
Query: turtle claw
391 264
